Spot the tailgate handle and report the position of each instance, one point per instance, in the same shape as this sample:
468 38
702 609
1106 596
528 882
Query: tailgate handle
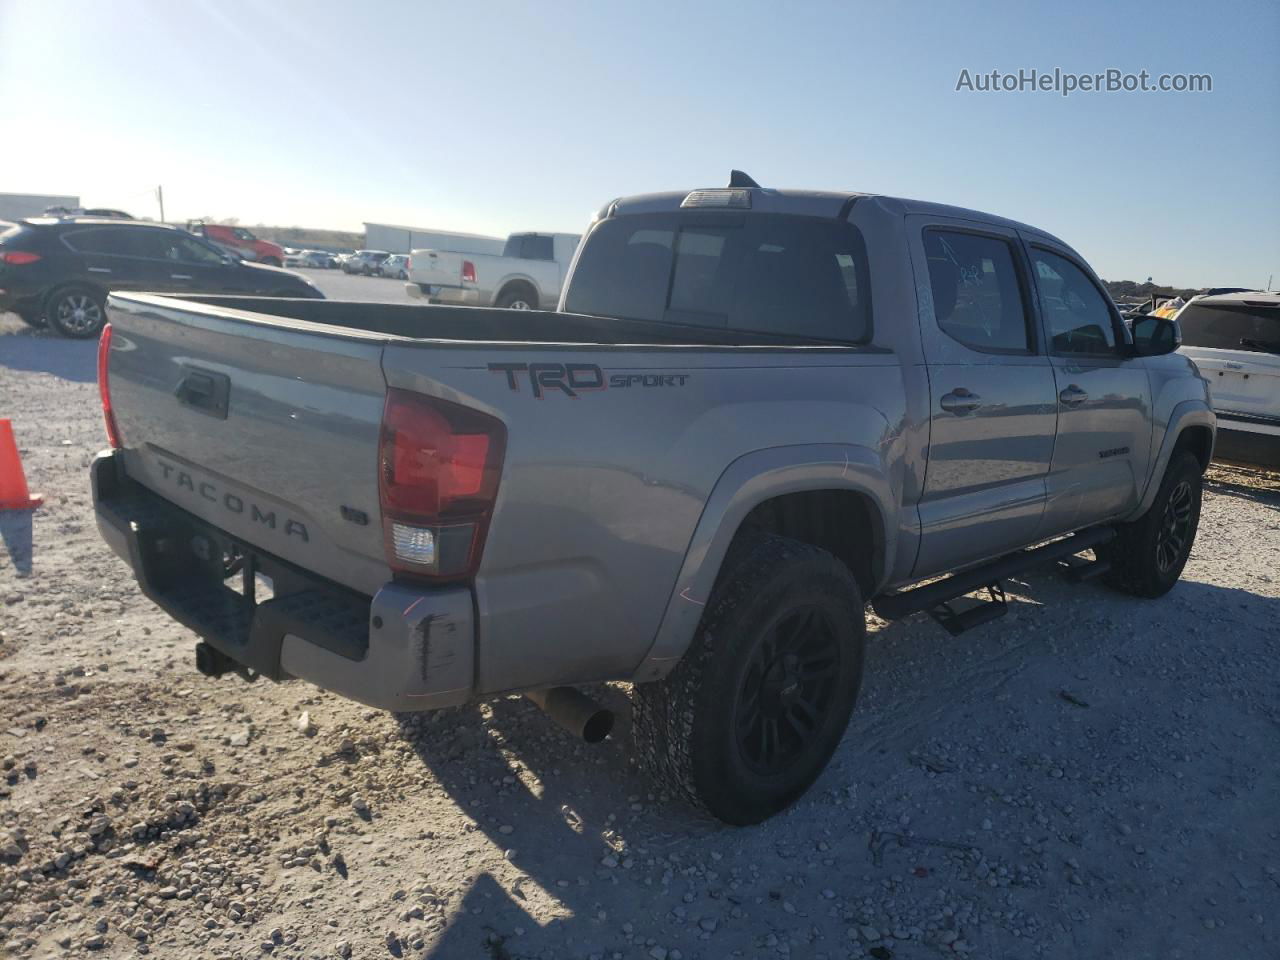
206 391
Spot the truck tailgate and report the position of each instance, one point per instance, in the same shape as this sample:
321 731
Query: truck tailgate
436 268
268 431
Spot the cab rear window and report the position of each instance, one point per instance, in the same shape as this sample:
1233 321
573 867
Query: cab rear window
764 273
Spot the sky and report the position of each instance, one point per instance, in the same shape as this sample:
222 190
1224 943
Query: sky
491 117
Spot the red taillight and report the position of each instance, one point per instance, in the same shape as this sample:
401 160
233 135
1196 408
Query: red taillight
468 272
18 258
104 387
438 470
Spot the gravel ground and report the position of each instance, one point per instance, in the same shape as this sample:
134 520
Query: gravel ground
1091 776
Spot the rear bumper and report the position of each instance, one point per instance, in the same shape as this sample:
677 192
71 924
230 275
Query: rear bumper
1266 426
455 296
406 648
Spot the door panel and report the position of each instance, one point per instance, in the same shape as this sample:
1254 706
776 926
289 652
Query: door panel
1103 449
992 396
184 264
114 257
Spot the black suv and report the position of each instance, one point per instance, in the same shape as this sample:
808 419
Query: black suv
60 270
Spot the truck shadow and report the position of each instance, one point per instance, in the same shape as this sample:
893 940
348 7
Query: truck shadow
40 351
598 865
558 808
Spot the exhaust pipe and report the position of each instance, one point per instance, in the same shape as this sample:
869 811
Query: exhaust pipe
211 662
574 711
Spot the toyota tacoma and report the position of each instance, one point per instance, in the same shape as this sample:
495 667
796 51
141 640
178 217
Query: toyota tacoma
755 413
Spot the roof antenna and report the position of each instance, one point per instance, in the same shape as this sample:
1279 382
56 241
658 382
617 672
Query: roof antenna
739 179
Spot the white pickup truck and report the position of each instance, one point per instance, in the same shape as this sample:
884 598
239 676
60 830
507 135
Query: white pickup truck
527 276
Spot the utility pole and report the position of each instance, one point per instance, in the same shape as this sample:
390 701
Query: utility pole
160 197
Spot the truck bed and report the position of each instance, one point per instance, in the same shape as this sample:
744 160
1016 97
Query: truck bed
471 325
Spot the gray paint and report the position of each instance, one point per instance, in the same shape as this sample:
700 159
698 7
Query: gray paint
616 507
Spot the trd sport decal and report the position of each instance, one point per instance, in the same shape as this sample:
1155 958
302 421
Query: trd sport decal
575 378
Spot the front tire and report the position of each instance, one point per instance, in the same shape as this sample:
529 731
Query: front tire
751 715
32 318
1148 555
76 312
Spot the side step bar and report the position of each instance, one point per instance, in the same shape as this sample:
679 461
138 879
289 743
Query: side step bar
895 606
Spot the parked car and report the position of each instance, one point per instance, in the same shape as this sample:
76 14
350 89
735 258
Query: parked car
320 260
61 271
527 276
295 258
395 266
1234 339
693 478
239 241
366 262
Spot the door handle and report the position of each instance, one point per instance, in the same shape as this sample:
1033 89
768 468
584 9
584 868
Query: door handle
99 269
960 401
180 276
1073 396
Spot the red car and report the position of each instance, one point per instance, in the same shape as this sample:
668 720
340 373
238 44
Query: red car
239 241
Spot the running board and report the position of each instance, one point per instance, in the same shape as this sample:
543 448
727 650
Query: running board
934 595
956 622
1078 569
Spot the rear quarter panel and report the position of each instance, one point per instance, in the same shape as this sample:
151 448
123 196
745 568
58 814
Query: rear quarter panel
604 483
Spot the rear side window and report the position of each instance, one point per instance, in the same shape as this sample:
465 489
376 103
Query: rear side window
120 243
764 273
1076 312
1231 328
977 296
538 248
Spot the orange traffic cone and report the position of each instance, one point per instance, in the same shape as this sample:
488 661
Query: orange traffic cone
13 482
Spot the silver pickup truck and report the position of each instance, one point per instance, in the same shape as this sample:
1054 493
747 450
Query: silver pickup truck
756 412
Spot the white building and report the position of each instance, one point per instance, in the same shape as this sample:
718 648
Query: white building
398 239
16 206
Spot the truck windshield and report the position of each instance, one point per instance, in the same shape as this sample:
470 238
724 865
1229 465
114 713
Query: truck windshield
765 273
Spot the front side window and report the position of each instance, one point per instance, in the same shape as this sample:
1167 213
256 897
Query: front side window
178 247
764 273
1076 312
1233 327
977 296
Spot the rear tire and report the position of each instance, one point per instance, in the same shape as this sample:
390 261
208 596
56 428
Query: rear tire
1148 555
270 261
517 298
76 311
751 715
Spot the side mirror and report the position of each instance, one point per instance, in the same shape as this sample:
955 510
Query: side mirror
1155 336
